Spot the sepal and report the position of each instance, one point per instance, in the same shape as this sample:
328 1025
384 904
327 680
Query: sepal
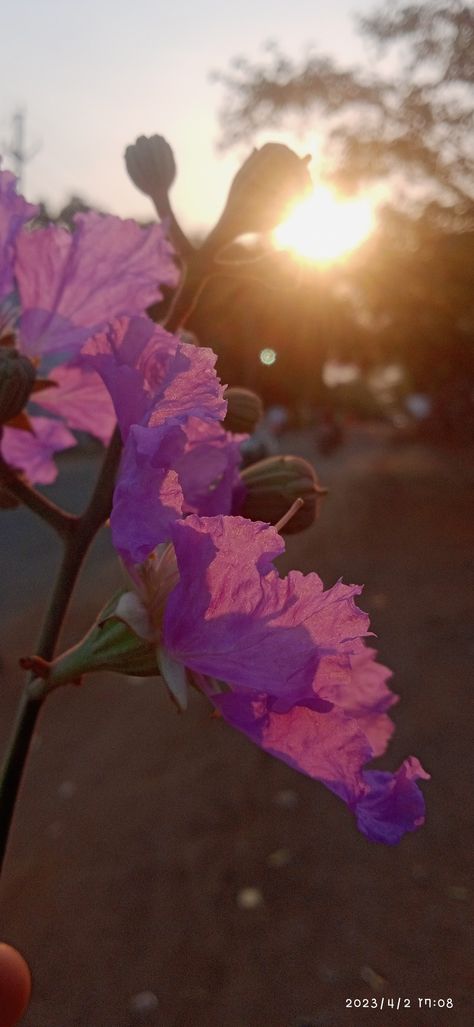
111 644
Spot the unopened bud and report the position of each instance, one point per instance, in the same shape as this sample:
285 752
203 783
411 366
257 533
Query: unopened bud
151 165
17 377
109 645
274 484
244 410
263 190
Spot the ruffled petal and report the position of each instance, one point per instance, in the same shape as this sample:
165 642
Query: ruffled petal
122 354
232 617
310 736
166 472
33 453
208 467
393 803
70 284
323 743
152 376
148 497
357 684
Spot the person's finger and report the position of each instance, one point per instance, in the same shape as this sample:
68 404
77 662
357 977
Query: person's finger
15 985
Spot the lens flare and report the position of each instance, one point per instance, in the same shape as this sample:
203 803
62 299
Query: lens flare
267 357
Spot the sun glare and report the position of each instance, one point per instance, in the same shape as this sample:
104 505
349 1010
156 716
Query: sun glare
325 228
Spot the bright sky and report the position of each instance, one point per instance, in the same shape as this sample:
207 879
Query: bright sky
93 75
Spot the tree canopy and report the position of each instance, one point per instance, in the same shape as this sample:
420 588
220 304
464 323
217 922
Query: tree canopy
415 121
411 286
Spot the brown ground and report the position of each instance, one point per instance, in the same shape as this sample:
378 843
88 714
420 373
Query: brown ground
138 830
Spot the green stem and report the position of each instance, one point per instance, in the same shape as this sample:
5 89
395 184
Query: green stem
76 545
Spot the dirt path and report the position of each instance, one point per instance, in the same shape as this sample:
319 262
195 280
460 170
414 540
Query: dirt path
140 832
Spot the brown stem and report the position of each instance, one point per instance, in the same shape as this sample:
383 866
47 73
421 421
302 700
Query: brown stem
165 212
59 519
76 544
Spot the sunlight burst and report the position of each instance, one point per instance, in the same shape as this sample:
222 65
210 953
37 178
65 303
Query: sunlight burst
325 228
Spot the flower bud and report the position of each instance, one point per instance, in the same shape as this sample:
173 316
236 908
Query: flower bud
151 165
109 645
264 188
274 484
17 377
244 410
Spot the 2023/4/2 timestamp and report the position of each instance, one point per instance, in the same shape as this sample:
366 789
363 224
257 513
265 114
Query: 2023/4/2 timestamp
398 1002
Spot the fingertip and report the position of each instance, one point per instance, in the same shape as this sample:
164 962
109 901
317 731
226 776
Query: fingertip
15 985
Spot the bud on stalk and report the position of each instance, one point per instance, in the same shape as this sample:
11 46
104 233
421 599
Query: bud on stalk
244 410
274 484
17 378
264 188
151 166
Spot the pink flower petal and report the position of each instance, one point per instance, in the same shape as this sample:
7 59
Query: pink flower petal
322 743
70 284
81 399
33 454
232 617
14 213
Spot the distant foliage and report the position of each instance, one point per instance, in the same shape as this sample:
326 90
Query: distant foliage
418 122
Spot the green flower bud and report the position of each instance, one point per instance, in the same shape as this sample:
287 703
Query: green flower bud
109 645
265 187
274 484
151 165
17 377
244 410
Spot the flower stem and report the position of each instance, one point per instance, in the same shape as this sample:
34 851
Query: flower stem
76 544
62 521
196 272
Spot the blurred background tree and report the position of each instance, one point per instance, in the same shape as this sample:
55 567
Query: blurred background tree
406 295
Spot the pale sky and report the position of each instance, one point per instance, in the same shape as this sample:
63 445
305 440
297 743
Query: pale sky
92 75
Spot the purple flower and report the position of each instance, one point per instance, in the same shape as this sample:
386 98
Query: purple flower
14 213
283 660
72 283
177 457
69 285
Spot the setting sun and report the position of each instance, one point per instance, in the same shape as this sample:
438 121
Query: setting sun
324 228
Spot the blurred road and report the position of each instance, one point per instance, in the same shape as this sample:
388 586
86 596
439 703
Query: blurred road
163 872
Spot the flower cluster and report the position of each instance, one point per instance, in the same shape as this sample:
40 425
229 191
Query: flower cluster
281 659
56 289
